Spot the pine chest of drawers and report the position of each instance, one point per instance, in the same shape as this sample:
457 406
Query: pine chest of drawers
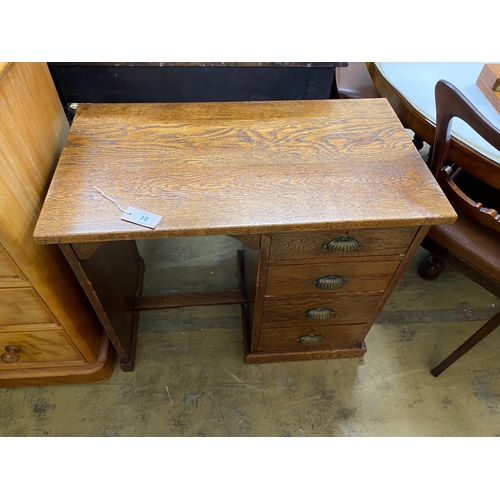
49 333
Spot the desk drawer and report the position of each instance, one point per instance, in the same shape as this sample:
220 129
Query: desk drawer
37 348
319 310
304 339
21 309
328 246
340 277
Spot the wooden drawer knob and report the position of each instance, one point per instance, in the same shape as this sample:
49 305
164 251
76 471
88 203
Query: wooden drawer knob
312 338
319 313
11 354
331 282
342 244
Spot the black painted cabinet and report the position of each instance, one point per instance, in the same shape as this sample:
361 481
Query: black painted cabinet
192 82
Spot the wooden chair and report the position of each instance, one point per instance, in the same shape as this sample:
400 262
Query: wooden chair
472 244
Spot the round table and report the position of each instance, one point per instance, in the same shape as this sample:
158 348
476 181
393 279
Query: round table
409 87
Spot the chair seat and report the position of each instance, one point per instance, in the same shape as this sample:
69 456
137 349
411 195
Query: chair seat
354 82
471 241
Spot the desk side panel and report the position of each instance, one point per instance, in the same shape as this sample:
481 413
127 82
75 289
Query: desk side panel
111 279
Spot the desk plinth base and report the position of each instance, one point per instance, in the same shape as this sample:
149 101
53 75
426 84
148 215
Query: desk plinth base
276 357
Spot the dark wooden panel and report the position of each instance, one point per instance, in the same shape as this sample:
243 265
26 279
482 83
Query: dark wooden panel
175 300
111 279
153 83
114 271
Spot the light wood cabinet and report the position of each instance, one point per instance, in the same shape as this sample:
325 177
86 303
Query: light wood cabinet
48 331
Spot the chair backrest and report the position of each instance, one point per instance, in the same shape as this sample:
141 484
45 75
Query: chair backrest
450 103
354 82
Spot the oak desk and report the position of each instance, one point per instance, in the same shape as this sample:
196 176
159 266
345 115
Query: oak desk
329 197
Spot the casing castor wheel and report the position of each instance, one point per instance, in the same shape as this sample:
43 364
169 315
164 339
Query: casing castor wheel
431 268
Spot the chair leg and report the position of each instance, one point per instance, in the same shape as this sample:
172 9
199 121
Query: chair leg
483 332
429 157
418 142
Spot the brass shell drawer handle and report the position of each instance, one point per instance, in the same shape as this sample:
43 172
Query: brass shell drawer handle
342 244
11 354
330 282
311 339
319 313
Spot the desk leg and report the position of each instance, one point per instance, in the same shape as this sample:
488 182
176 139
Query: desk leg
111 275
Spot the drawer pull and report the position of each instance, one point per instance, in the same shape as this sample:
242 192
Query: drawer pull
312 338
319 313
342 244
11 355
331 282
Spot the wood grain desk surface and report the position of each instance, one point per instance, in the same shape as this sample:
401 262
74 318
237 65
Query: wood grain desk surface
238 168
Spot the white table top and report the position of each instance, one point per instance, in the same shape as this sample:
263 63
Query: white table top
416 82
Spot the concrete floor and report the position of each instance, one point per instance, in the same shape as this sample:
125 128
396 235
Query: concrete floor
198 354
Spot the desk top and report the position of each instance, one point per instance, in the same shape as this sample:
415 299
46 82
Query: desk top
238 168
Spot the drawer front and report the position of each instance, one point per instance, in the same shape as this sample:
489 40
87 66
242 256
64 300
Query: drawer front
303 339
21 309
322 310
329 246
8 269
340 277
37 348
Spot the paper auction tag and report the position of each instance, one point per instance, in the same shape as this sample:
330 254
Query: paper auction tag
141 217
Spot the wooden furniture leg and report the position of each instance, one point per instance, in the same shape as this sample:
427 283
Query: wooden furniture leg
111 275
418 142
483 332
